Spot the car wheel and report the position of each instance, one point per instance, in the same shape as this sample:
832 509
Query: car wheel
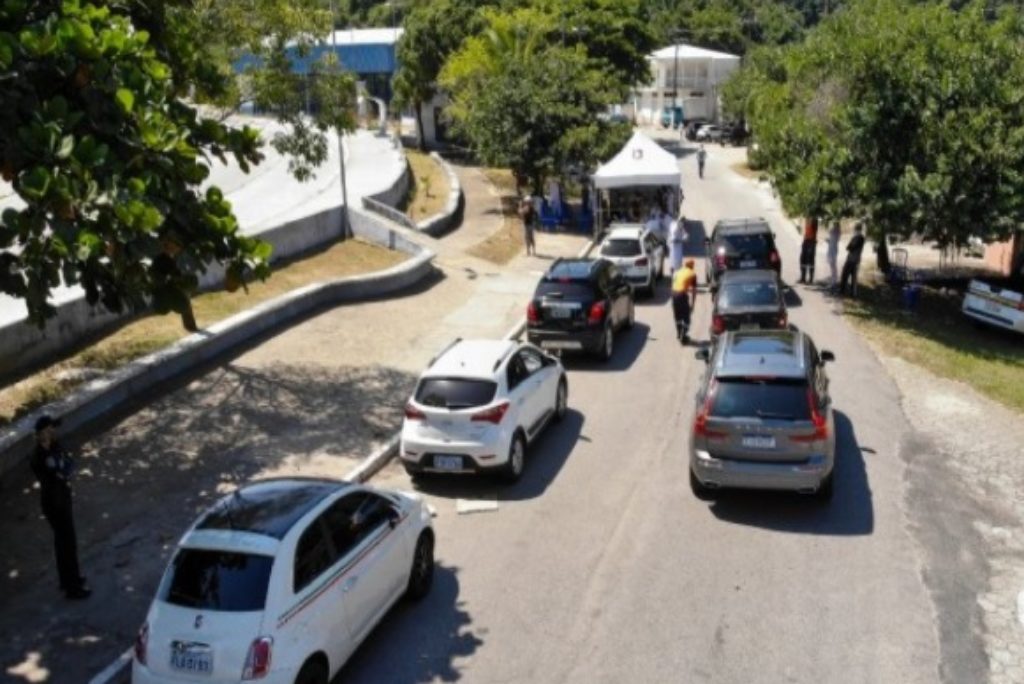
607 345
313 672
516 459
631 318
824 492
421 577
561 399
700 491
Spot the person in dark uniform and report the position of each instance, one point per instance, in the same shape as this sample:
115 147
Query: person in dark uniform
808 250
53 467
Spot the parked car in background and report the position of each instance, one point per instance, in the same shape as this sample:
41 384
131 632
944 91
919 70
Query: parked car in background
997 302
712 133
741 244
477 407
763 417
578 305
693 126
749 300
280 582
637 252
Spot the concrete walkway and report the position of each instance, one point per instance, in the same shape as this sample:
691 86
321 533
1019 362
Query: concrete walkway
310 400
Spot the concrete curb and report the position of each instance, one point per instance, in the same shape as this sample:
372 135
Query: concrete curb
438 224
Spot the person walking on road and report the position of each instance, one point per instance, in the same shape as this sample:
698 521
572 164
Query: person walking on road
529 217
807 251
853 252
684 299
53 467
702 157
676 239
834 233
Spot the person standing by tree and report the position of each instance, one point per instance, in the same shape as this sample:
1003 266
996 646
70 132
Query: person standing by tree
529 217
53 467
833 254
702 157
807 251
853 252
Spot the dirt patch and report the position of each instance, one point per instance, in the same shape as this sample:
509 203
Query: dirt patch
504 244
149 333
428 194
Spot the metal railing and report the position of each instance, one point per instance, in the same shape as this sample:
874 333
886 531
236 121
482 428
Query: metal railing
388 212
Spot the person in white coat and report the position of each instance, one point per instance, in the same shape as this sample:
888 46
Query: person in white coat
676 241
833 253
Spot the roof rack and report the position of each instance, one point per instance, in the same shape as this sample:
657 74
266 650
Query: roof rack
444 351
502 358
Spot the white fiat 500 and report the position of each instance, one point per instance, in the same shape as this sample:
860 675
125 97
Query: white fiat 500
478 405
280 582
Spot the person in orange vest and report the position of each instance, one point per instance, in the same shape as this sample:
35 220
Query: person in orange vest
684 298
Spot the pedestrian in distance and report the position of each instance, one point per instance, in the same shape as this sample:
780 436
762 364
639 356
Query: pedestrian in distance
684 299
834 233
808 248
677 241
54 467
702 157
852 264
528 215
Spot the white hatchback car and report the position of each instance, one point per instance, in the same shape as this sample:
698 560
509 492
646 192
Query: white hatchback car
478 405
637 252
280 582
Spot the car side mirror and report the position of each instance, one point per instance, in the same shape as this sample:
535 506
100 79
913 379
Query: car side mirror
827 356
702 355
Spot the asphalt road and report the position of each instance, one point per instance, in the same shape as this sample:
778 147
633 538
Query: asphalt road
601 566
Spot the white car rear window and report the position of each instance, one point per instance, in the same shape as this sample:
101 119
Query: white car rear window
455 393
217 580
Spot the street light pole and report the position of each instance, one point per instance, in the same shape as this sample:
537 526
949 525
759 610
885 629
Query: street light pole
341 140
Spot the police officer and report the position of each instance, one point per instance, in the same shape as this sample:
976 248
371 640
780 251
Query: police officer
53 467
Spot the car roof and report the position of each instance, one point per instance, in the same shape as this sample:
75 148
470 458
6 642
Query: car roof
760 353
753 275
269 507
470 359
620 231
742 226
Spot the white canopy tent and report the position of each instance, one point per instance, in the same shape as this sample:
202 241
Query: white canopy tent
641 163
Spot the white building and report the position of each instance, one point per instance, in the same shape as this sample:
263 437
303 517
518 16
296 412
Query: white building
692 75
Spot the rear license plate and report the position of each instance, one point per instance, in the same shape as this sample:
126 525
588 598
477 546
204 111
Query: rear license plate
560 312
992 307
448 462
554 344
189 658
748 263
758 442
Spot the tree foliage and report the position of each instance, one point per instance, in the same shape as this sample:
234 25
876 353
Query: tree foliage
908 115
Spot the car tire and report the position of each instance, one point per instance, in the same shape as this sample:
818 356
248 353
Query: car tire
561 400
825 489
421 576
700 491
516 459
607 348
631 317
313 672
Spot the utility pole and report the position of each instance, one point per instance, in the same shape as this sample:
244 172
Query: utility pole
345 232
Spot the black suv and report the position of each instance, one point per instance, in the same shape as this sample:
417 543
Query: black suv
578 305
741 244
749 300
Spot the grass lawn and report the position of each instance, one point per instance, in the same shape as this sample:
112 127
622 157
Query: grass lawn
151 332
428 194
941 339
506 243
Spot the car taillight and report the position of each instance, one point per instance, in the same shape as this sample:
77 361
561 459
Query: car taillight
413 413
492 415
700 421
142 643
820 423
773 257
257 662
720 259
1020 304
783 319
642 261
532 313
717 324
597 311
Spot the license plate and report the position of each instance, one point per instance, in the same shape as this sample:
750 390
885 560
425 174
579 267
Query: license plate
554 344
448 462
191 659
749 263
758 442
992 307
560 312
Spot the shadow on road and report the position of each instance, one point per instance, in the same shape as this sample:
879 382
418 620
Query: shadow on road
850 512
545 457
417 641
628 345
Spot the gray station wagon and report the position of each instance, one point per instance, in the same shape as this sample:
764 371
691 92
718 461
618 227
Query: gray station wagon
764 416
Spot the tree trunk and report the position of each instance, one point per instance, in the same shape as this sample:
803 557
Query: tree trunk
420 138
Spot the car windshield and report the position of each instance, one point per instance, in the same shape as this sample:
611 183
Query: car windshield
569 270
217 580
747 243
765 398
621 247
763 293
455 393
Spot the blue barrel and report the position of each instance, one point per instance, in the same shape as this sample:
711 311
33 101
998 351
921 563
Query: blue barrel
911 296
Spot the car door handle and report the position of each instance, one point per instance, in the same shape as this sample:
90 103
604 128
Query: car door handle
349 584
